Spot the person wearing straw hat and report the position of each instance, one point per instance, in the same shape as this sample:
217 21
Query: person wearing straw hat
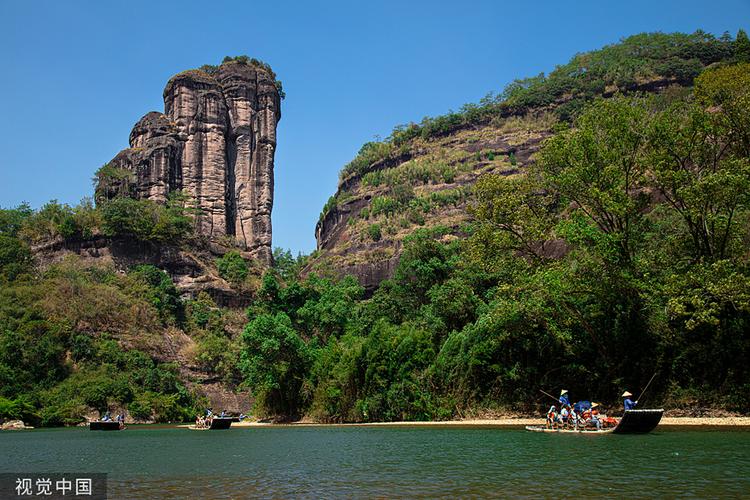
628 403
594 416
564 400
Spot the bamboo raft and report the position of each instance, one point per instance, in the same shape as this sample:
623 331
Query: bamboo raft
632 422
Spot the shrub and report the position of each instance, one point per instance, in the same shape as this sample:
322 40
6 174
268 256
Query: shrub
369 153
383 205
160 292
232 267
17 409
373 231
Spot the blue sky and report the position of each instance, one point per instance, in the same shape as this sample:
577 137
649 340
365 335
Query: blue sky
77 75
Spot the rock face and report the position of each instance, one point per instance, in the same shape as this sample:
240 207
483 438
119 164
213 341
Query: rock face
215 142
437 177
191 269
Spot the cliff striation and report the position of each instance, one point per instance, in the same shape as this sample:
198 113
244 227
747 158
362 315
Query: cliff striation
215 142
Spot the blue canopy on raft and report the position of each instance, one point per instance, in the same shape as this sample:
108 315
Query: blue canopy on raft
581 406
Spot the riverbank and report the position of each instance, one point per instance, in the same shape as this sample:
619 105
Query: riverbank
512 422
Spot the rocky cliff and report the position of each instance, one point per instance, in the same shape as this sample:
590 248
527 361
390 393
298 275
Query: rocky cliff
215 142
425 185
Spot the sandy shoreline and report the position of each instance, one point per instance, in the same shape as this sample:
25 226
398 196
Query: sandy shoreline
511 422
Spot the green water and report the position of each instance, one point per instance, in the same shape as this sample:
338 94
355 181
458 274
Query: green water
365 462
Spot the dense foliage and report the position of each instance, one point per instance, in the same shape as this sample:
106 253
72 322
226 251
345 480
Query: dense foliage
620 253
59 360
122 217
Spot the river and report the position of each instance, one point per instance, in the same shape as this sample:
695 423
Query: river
393 461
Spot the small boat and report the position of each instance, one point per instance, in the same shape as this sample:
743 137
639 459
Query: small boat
639 421
632 422
105 425
217 423
220 423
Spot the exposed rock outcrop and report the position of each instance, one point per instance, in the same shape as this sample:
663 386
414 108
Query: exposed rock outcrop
437 177
215 141
192 270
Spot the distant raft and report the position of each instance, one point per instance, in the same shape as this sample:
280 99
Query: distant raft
632 422
108 425
217 423
580 430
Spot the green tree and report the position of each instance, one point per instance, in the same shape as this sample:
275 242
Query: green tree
331 307
694 170
15 258
600 167
742 46
274 360
725 92
515 215
12 220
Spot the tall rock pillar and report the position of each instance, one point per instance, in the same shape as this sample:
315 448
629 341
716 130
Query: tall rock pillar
216 142
254 106
194 102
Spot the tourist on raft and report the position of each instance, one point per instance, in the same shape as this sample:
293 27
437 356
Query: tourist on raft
628 403
551 416
593 416
564 416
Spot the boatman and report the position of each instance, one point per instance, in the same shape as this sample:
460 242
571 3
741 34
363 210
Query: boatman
628 403
564 401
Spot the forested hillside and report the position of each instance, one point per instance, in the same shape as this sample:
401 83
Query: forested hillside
584 229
